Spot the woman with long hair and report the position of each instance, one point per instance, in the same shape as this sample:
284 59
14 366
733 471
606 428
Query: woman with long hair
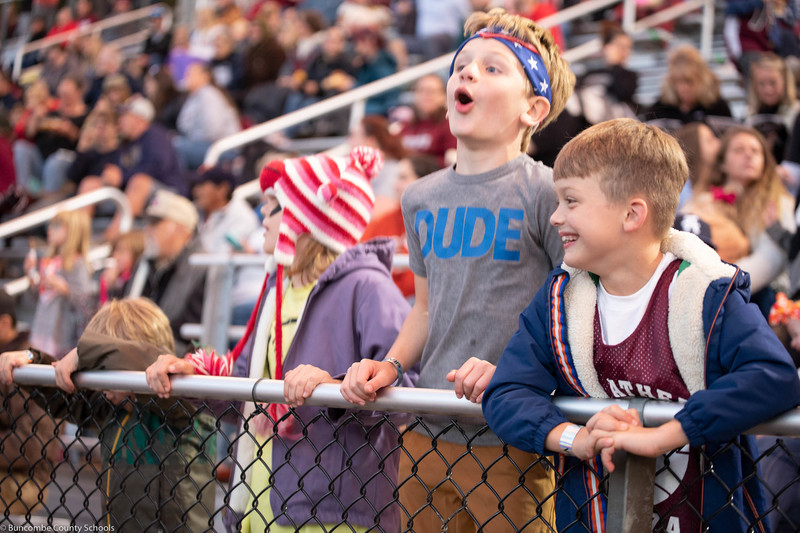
748 209
689 91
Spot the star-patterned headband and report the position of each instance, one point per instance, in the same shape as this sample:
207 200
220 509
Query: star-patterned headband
528 56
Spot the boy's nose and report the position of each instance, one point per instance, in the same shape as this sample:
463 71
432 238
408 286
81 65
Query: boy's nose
468 72
556 219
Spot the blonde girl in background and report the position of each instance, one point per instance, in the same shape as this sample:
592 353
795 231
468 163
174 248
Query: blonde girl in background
772 104
117 276
63 281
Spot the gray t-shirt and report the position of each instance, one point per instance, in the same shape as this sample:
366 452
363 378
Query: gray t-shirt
485 244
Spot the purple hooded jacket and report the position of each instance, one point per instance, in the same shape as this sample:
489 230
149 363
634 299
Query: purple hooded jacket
343 468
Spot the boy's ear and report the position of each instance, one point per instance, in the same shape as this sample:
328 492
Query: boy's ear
538 109
636 214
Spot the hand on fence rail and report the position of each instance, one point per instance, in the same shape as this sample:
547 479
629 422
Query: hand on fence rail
158 373
471 379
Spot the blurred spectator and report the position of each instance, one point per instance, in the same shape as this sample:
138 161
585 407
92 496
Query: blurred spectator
772 104
109 62
439 27
207 116
38 28
97 148
59 64
373 62
227 226
689 91
428 131
50 139
65 22
8 176
330 72
390 224
85 13
147 161
353 15
760 26
30 451
134 69
116 278
159 88
158 42
746 205
227 65
308 33
227 12
701 147
537 10
173 284
612 85
10 94
263 57
373 131
62 280
206 29
116 91
179 57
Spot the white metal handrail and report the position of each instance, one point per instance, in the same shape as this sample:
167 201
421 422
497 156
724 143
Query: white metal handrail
400 79
45 214
401 399
94 28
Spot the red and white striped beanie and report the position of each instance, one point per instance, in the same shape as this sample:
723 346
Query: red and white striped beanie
328 197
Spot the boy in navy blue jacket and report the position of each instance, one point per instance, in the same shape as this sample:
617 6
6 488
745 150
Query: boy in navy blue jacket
640 310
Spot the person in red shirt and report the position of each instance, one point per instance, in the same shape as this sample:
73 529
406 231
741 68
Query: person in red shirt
64 22
428 131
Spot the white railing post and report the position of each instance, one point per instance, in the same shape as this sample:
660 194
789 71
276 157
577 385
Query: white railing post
629 16
707 30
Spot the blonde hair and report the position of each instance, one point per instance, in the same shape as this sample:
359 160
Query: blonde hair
134 319
562 80
629 159
311 258
685 62
770 61
748 210
78 225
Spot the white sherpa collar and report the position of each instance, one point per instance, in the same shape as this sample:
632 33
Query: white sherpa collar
685 319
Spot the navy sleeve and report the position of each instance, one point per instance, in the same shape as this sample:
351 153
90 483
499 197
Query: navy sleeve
751 380
518 404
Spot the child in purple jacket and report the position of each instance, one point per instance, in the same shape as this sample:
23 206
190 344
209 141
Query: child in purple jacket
337 304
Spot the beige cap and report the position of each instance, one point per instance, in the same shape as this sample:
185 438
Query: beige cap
171 206
139 106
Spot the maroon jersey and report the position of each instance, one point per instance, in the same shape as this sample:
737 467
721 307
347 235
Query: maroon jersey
643 366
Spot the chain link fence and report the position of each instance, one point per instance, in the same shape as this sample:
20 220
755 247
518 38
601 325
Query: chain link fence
127 461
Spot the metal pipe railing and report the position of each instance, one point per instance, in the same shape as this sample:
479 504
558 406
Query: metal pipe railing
398 399
45 214
96 27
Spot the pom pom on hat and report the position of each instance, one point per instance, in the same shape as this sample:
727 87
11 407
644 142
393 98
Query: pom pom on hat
327 192
367 160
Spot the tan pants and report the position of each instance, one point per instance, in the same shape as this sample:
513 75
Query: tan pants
461 499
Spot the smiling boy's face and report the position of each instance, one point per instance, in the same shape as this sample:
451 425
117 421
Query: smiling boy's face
487 95
590 226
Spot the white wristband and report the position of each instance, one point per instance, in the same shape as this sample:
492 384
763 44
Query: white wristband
568 437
